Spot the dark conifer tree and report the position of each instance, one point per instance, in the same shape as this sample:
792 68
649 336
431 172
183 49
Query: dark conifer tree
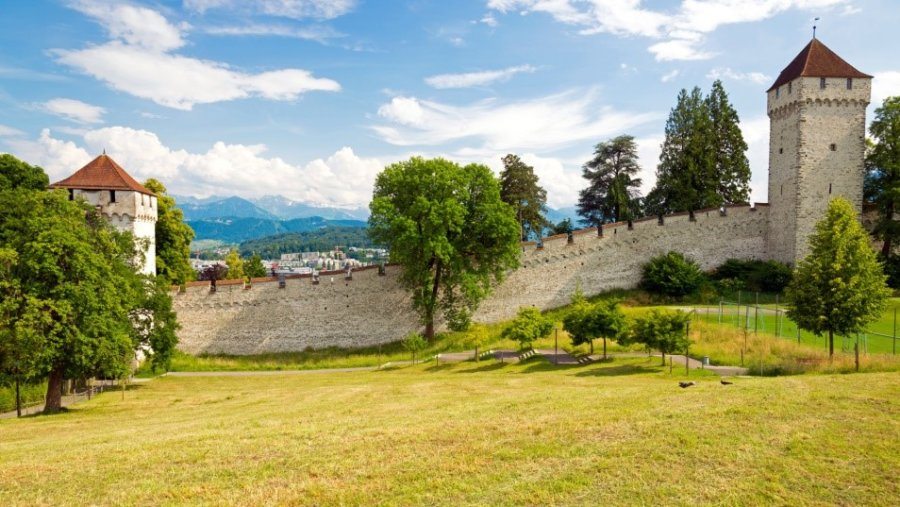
612 192
519 188
732 169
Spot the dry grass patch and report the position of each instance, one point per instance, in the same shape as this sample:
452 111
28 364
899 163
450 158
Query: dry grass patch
466 434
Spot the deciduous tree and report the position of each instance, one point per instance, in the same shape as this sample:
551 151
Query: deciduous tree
665 331
15 173
235 264
588 321
883 172
253 267
449 230
528 326
839 287
173 237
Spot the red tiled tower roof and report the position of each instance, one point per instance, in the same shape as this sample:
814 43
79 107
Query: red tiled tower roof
816 60
102 173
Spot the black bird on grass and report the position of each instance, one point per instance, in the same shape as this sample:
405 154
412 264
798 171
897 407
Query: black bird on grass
685 385
725 382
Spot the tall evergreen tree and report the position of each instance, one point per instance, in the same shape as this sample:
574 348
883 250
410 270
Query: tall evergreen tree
732 169
685 175
173 237
703 163
883 172
612 191
519 188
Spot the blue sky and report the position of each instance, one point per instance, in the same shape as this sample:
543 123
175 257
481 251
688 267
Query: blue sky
311 98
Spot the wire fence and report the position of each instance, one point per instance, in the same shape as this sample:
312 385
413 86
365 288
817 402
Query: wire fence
75 396
878 338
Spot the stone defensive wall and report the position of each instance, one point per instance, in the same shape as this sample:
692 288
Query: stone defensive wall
369 308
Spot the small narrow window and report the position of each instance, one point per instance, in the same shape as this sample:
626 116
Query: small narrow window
112 196
71 195
782 189
780 150
821 83
790 87
833 147
777 92
849 83
829 188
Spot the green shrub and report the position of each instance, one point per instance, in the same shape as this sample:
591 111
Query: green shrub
672 274
753 275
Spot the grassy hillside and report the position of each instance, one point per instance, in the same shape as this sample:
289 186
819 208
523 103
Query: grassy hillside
490 434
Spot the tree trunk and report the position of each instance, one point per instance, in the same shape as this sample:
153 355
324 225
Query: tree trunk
830 344
429 330
663 357
54 391
592 346
604 347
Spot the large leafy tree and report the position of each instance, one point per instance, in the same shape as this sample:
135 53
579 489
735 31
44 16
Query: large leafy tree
235 264
72 304
15 173
883 172
839 287
612 192
703 162
519 188
253 267
173 237
449 230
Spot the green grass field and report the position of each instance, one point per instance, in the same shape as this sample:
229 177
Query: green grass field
621 432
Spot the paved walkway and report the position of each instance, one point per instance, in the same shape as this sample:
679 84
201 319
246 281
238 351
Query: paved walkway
723 371
265 373
561 358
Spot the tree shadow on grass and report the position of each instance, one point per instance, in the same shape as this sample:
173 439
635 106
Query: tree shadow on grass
439 367
494 366
614 371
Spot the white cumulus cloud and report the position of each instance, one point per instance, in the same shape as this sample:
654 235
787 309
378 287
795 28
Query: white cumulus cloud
470 79
139 60
74 110
341 179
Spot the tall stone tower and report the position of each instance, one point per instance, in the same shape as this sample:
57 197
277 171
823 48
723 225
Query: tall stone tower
817 114
128 205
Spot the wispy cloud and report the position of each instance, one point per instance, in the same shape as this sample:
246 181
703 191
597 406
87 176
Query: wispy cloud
295 9
681 32
542 124
482 78
10 132
73 110
728 73
668 76
318 33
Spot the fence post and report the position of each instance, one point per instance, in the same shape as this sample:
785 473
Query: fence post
895 331
720 311
856 350
18 398
777 318
756 316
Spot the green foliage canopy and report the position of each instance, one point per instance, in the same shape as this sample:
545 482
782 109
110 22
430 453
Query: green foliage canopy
663 330
612 194
883 172
15 173
253 267
449 230
839 287
528 326
235 264
519 188
672 274
587 321
173 237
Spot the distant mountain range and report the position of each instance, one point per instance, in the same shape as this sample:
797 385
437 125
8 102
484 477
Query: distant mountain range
235 219
238 229
273 207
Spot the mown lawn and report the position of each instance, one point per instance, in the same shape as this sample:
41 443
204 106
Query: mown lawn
621 432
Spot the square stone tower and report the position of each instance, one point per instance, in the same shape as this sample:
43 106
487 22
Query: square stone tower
128 205
817 115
